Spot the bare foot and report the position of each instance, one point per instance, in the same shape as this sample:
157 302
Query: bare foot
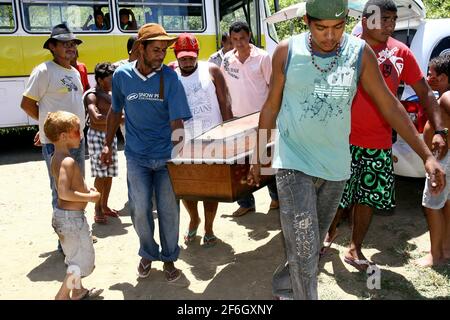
427 261
356 259
355 255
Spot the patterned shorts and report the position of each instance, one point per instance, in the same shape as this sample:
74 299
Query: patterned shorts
95 139
372 179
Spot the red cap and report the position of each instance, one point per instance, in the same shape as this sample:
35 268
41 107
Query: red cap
186 46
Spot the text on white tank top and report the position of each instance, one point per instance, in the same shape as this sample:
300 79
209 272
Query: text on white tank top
202 99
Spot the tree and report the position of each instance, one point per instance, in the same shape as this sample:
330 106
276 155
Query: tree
6 17
437 8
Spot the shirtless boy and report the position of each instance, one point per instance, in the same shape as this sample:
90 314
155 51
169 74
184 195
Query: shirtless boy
63 130
437 207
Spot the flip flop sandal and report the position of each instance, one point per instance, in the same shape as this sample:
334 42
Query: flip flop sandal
144 269
172 276
112 213
360 264
100 219
190 236
209 241
90 294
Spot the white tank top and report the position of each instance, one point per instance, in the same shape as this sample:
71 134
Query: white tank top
202 99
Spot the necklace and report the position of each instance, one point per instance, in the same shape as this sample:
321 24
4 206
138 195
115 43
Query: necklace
332 63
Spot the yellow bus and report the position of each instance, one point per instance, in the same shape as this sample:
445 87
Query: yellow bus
26 24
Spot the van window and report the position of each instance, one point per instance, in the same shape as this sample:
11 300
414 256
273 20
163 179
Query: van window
405 36
173 15
239 10
7 20
80 15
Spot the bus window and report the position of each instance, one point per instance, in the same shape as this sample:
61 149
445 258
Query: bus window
173 15
80 15
7 21
270 27
241 10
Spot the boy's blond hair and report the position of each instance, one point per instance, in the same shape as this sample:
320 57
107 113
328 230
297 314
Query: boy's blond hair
59 122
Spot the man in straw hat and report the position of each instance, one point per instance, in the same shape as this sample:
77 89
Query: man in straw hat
56 86
155 104
314 79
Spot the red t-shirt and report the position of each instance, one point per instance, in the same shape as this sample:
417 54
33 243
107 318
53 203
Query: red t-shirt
397 64
81 67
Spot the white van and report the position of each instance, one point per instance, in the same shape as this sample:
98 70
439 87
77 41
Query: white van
427 39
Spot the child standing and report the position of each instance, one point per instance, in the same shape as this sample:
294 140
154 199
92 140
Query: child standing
437 208
63 130
98 102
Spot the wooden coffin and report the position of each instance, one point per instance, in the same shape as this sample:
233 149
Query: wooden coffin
214 166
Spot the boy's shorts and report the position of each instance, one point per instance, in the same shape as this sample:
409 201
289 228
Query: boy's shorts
438 201
76 241
372 179
95 139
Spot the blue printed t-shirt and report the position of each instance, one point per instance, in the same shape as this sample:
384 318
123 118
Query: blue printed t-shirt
147 117
314 119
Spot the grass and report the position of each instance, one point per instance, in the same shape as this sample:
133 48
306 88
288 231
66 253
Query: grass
20 131
12 138
402 281
432 283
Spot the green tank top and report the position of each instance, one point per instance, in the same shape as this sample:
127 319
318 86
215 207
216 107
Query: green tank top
314 120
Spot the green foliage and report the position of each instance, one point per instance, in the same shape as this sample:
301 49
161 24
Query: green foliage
287 28
437 8
6 17
20 131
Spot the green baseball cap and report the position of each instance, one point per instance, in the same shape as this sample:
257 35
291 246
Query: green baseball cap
327 9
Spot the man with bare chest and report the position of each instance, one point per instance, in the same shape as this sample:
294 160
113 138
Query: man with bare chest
98 102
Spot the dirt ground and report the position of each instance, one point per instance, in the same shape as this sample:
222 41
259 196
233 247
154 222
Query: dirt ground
239 267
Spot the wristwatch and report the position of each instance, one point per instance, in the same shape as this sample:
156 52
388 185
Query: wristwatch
443 133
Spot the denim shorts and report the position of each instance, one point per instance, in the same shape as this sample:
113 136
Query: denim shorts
76 241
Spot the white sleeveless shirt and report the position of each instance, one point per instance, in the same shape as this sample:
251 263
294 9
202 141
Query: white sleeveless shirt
202 99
